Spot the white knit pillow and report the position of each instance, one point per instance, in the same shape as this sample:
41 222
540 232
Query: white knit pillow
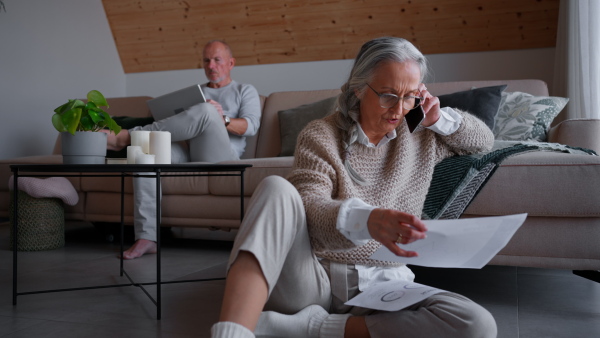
52 187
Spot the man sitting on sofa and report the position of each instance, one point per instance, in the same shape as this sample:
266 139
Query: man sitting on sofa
215 131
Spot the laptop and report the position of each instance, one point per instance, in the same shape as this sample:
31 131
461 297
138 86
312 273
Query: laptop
174 103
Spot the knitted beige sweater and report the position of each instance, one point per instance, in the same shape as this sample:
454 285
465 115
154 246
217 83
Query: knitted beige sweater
399 174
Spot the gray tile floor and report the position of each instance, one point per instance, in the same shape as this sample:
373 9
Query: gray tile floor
525 302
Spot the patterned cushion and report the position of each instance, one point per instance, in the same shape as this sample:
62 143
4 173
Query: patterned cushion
522 116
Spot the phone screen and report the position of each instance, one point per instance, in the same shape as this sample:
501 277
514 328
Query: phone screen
414 118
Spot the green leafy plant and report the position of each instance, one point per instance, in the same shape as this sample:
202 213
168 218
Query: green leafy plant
77 115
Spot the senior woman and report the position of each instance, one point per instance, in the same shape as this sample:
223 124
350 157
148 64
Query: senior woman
359 182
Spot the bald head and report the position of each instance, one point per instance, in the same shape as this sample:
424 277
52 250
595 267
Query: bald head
218 62
222 43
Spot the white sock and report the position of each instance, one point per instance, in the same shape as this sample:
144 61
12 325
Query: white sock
230 330
334 326
304 324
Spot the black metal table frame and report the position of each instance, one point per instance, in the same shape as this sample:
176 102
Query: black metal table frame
121 170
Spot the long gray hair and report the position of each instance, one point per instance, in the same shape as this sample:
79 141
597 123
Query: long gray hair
371 54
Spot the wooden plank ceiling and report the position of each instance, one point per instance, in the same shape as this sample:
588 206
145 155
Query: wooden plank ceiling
157 35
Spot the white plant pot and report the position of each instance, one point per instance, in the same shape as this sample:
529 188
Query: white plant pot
85 147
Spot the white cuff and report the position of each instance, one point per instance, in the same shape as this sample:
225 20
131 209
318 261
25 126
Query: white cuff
352 220
448 122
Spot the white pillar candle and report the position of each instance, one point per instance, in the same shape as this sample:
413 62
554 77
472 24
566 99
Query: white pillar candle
141 138
144 159
160 146
132 152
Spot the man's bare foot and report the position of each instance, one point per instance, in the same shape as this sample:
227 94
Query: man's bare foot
117 142
140 248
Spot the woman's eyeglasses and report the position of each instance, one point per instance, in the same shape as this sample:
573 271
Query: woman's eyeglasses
387 100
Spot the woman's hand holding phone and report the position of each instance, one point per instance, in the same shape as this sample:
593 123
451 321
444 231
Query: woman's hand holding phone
430 107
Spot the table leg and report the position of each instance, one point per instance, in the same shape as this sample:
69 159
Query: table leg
121 228
15 229
242 196
158 221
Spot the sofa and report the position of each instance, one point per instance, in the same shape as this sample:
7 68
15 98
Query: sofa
559 191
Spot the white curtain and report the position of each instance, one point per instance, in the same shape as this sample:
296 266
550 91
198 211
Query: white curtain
577 71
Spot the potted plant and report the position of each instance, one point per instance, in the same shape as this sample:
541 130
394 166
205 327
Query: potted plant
79 123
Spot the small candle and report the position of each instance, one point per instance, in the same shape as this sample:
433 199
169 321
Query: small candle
141 138
144 159
160 146
132 152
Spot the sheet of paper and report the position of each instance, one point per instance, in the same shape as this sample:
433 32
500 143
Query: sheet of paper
459 243
393 295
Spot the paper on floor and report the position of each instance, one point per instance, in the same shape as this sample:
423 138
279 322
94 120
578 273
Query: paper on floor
393 295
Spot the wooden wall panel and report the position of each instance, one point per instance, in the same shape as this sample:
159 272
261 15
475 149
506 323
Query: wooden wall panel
155 35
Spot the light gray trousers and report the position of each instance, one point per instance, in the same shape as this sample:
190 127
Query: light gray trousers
204 130
274 230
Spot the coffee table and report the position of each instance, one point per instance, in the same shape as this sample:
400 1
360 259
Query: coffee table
120 170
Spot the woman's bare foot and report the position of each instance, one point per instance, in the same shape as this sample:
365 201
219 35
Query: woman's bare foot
140 248
117 142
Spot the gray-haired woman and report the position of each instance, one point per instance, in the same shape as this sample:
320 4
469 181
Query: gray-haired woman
359 182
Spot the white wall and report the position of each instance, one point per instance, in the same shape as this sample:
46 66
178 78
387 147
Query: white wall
50 51
500 65
55 50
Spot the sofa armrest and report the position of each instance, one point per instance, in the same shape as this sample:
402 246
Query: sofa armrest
577 133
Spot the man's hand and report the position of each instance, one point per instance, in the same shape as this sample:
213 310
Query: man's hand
217 105
389 227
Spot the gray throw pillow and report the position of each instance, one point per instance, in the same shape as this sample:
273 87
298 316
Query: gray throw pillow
292 121
481 102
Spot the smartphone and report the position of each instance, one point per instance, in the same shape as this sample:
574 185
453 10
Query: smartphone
414 118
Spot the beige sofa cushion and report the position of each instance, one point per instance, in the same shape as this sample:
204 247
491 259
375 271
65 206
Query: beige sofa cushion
261 168
542 183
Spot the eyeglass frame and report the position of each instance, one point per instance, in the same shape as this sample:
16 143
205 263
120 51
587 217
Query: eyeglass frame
418 99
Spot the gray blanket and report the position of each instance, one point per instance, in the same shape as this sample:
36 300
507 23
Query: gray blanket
458 179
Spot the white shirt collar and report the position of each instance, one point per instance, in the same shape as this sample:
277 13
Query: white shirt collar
364 140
